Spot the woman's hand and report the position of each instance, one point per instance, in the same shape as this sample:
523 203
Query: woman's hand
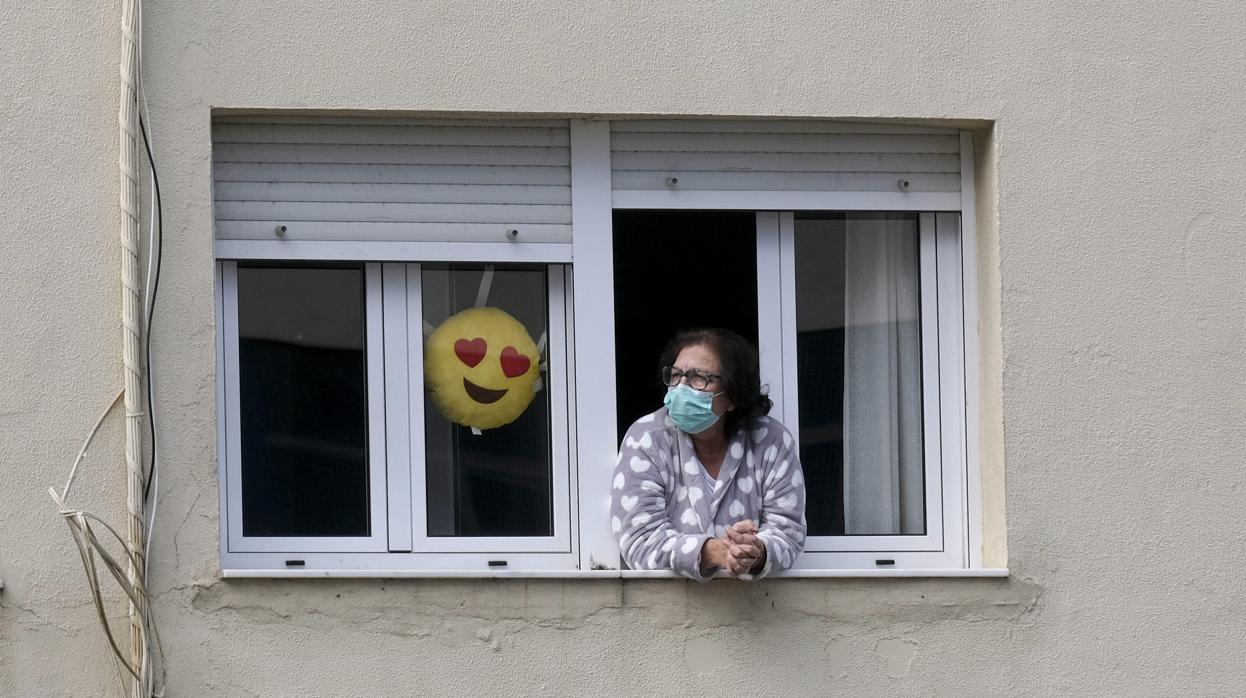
714 555
746 551
738 552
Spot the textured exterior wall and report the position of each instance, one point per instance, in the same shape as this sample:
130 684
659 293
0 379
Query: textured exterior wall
1113 265
60 331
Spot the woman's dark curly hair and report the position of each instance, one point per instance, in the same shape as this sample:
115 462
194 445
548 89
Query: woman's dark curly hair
740 371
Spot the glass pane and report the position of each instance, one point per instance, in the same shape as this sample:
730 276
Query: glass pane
303 401
858 348
489 469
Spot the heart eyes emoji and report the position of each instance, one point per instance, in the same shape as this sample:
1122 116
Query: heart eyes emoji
472 351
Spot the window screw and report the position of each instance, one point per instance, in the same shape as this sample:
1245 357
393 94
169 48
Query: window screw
671 182
512 233
902 184
280 231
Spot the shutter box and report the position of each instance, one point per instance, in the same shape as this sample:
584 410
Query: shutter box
782 164
391 179
357 180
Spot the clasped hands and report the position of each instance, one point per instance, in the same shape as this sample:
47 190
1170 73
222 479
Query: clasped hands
739 551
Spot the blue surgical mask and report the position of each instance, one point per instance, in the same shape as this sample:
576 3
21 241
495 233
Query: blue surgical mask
691 410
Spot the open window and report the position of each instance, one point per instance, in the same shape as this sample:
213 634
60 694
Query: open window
367 428
859 340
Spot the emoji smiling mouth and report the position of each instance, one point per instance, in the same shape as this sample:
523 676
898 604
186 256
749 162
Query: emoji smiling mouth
482 395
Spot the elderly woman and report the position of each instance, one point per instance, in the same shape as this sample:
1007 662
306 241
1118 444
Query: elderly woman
708 483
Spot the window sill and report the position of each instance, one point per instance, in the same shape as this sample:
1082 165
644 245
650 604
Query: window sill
594 574
807 574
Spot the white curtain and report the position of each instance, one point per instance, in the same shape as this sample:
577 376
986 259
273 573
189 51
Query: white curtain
882 378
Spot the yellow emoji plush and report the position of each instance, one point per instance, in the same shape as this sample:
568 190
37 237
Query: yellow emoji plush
481 368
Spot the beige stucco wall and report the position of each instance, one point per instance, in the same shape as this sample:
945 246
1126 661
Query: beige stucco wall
1113 263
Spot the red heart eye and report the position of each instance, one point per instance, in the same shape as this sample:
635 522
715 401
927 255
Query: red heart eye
513 363
471 352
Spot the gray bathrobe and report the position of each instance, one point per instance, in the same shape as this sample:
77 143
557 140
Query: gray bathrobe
662 512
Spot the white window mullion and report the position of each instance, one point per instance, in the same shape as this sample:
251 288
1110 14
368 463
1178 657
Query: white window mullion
417 514
397 418
556 376
776 316
934 472
232 471
770 330
568 348
787 309
952 381
226 431
593 251
374 351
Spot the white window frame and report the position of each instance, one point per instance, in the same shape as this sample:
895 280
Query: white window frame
232 463
948 247
943 544
398 539
585 546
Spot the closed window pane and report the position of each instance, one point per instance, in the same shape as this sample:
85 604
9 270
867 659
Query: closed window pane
302 401
859 370
489 469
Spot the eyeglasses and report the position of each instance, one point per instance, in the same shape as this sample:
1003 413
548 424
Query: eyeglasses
697 379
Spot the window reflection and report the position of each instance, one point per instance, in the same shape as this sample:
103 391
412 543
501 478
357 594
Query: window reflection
859 371
302 401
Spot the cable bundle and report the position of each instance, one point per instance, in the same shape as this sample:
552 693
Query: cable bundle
129 569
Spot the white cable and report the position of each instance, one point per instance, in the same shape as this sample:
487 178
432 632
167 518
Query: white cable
148 298
151 687
89 546
73 471
69 482
151 519
131 315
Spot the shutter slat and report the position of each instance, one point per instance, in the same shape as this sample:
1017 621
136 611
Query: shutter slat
396 121
744 163
391 193
782 143
391 174
770 126
390 212
789 181
391 232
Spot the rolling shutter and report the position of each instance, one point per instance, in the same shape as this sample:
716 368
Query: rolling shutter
781 156
391 179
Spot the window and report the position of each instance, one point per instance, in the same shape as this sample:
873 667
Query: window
400 344
867 360
845 307
347 434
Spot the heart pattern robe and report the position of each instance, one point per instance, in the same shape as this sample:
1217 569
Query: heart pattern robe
663 512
